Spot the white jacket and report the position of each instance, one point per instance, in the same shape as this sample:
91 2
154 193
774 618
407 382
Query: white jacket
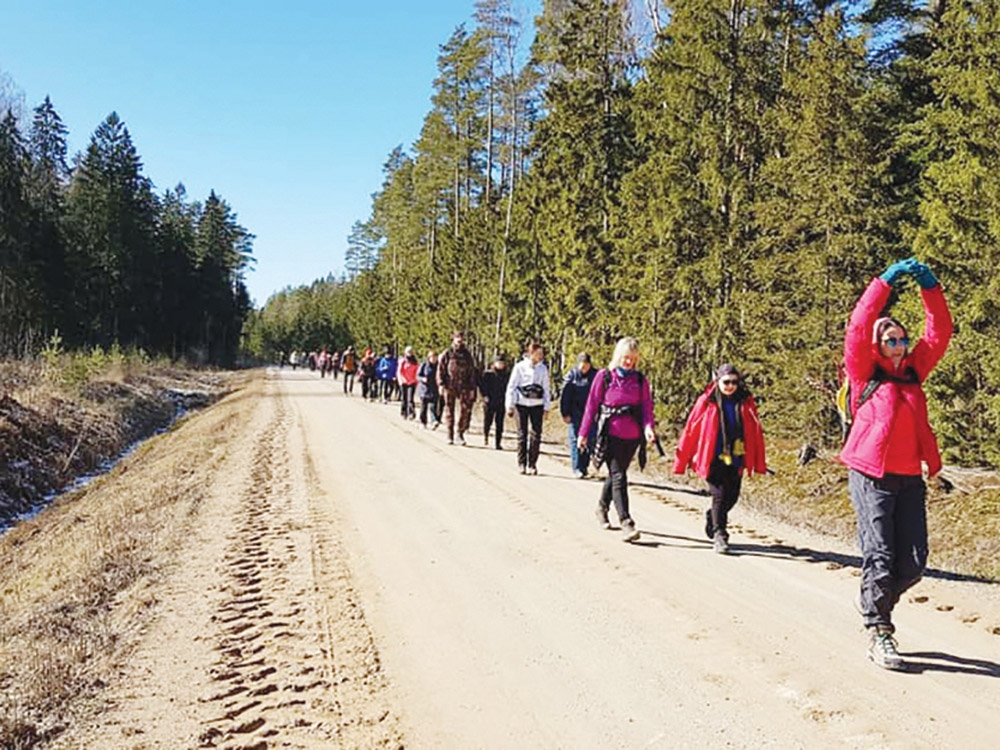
526 374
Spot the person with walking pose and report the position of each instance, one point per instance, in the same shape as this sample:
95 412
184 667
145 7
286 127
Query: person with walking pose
349 364
889 441
458 383
427 391
572 402
721 441
407 376
493 388
620 410
529 397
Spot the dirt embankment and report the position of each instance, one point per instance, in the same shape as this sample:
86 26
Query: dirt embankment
51 436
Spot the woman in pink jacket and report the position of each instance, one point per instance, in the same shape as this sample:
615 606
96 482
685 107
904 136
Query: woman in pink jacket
889 441
621 406
406 376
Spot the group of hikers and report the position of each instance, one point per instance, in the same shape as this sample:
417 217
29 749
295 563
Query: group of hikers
610 422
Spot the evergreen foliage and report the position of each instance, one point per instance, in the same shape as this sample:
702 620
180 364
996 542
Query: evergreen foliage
91 255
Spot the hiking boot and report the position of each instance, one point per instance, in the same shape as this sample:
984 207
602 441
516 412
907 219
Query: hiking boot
524 469
461 439
629 532
602 517
486 440
720 543
533 470
882 649
709 527
436 425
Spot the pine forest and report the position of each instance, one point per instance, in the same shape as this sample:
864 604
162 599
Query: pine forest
718 178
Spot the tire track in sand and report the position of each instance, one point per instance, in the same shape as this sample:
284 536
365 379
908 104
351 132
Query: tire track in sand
296 663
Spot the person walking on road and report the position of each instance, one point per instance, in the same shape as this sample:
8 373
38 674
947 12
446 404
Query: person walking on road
349 365
493 387
572 403
427 391
458 382
721 441
385 371
407 377
620 410
369 385
529 396
888 442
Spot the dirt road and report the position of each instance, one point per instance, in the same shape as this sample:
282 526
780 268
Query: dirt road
357 582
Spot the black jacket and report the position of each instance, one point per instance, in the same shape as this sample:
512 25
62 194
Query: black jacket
575 390
493 386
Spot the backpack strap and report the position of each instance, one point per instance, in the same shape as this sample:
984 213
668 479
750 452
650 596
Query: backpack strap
881 376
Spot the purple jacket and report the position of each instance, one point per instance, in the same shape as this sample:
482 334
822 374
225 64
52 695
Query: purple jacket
621 391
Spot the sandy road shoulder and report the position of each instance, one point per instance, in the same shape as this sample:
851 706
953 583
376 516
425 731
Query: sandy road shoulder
260 641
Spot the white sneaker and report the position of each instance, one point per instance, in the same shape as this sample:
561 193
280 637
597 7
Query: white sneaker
629 532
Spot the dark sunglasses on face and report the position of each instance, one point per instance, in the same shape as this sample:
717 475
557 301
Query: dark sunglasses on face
893 342
729 381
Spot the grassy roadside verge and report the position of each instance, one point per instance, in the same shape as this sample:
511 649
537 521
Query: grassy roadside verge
77 582
963 506
63 416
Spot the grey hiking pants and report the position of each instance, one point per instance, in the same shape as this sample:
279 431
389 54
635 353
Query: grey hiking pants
892 531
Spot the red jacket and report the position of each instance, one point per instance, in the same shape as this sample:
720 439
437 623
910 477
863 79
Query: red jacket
696 447
407 373
872 434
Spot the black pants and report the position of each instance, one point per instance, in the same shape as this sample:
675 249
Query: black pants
724 483
493 414
432 404
619 456
529 443
406 408
348 382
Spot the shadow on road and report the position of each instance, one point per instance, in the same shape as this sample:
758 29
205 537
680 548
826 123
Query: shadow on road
836 559
936 661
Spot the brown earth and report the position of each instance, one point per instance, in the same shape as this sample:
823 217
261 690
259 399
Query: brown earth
296 568
50 436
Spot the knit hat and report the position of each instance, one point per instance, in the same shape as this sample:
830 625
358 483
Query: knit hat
726 369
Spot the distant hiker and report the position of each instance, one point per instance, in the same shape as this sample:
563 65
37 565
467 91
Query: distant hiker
293 359
529 397
721 441
406 376
366 368
427 391
458 380
620 410
385 371
888 442
572 403
323 361
349 364
335 363
493 387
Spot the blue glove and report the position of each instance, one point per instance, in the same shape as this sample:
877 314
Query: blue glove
899 268
924 276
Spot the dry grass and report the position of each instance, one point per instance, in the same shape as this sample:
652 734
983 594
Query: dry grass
963 505
75 582
963 508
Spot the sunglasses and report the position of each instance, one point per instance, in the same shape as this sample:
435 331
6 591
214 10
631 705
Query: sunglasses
729 381
892 341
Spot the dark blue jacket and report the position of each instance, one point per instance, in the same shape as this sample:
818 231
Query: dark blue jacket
576 388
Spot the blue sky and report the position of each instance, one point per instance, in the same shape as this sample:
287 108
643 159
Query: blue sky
287 110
